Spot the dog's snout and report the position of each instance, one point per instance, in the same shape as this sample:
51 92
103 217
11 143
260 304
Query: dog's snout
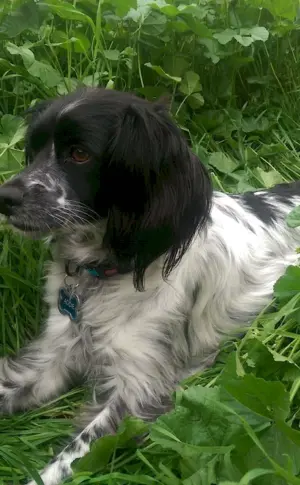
10 197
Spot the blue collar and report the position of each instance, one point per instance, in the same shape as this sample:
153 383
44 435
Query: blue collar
102 271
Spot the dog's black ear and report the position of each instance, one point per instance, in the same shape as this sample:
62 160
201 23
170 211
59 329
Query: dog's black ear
160 191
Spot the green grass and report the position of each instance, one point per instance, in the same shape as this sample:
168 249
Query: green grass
236 94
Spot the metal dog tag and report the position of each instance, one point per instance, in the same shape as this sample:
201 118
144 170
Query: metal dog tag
68 303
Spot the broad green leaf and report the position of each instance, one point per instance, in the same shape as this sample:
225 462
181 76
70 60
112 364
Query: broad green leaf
214 52
25 74
191 83
67 86
178 25
293 218
103 448
15 158
199 398
279 8
122 7
169 10
195 101
283 451
249 124
159 70
244 40
243 36
23 88
93 79
26 54
288 284
11 125
225 36
45 72
222 162
198 11
266 398
258 33
198 472
18 135
176 65
67 11
266 364
11 160
27 16
136 15
154 24
291 433
206 422
81 42
198 27
129 52
60 37
110 84
198 424
210 119
271 150
111 54
268 178
152 92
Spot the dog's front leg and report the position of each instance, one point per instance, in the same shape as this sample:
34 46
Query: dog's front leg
106 421
137 382
134 373
42 370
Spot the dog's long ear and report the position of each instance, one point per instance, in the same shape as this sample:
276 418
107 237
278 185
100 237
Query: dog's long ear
161 191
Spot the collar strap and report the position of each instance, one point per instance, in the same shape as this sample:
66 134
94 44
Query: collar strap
106 269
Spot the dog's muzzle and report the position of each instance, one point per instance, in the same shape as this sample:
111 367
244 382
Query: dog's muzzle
10 198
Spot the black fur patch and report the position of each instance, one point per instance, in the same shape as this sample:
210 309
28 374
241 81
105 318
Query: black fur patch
260 206
285 192
195 293
85 437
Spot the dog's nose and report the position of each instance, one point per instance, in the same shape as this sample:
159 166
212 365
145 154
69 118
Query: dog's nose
10 197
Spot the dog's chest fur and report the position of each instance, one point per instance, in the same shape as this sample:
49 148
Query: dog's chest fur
119 330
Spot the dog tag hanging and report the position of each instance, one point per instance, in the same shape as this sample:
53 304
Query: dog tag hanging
68 303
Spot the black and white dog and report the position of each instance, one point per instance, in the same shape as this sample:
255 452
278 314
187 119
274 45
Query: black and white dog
150 268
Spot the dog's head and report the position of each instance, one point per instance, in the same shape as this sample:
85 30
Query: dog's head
113 156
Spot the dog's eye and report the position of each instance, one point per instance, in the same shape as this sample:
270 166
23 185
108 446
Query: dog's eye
79 155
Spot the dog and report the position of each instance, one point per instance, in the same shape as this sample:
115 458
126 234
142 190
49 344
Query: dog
151 268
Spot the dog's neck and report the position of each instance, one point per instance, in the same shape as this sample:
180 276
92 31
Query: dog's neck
83 249
82 245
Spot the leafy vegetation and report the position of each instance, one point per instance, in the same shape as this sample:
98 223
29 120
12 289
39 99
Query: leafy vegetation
231 71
